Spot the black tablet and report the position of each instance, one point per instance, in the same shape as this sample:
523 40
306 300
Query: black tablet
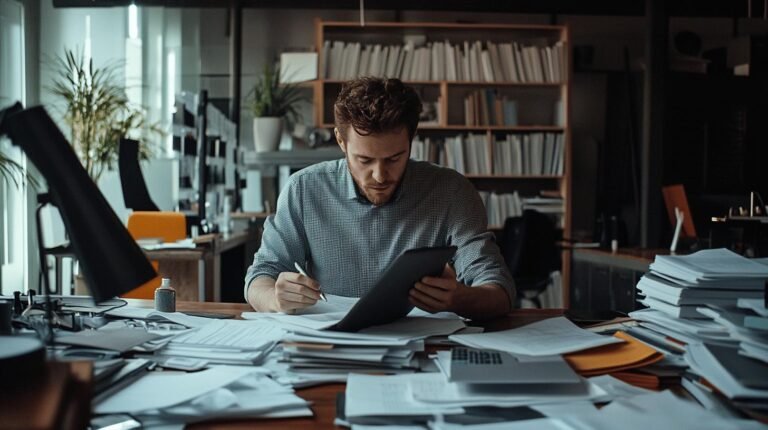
388 301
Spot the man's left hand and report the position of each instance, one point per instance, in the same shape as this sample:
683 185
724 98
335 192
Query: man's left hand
438 294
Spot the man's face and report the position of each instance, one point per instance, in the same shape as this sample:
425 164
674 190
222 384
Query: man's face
377 161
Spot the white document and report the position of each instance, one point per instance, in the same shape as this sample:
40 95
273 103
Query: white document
313 337
757 305
369 395
244 335
434 389
403 330
252 396
319 316
548 337
160 390
616 388
534 424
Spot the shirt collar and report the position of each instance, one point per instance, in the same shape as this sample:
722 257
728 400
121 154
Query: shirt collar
353 193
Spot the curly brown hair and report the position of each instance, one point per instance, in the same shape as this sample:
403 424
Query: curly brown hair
376 105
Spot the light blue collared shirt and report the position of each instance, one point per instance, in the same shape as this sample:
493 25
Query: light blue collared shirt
321 217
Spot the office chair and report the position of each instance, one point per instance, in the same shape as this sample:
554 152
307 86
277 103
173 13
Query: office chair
529 246
168 226
135 193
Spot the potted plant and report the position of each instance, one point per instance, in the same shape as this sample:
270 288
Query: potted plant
97 112
271 104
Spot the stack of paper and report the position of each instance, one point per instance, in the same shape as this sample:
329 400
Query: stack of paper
310 350
387 348
677 285
168 398
742 379
225 342
751 341
670 334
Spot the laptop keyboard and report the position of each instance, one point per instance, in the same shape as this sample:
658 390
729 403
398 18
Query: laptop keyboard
473 356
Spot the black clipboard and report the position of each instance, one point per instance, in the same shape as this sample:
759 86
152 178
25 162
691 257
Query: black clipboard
388 301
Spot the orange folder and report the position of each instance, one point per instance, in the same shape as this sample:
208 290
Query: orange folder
630 354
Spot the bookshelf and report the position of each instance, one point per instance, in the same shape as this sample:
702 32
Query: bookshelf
498 95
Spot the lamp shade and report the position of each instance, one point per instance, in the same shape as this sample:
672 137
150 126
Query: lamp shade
110 259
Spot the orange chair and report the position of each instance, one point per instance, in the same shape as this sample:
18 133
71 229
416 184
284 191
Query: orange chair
168 226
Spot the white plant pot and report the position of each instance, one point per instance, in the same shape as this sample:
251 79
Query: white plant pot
267 132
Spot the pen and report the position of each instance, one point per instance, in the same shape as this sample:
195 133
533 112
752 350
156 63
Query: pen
295 264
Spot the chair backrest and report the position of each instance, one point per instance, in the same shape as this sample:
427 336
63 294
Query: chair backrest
169 226
529 246
135 193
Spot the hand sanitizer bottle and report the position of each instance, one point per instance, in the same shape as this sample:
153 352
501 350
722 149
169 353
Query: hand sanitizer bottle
165 297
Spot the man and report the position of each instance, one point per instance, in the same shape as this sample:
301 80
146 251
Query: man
349 219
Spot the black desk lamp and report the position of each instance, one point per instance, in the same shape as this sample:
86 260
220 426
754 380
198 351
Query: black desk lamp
135 193
111 261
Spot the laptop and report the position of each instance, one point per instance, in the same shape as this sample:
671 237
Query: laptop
476 366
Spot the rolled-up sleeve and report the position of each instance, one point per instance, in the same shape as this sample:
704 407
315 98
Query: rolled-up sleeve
478 260
284 239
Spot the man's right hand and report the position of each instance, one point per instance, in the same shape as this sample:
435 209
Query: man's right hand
295 291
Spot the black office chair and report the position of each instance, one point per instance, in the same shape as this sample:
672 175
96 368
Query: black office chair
135 193
529 245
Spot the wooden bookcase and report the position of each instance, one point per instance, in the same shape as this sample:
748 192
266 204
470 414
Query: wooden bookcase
542 104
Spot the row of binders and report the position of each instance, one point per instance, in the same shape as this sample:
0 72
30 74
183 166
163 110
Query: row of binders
446 61
708 308
475 154
487 107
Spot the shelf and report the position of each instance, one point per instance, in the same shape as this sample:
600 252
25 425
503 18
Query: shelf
352 25
517 128
462 83
512 177
495 127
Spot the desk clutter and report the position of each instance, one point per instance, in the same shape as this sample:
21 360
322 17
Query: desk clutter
169 369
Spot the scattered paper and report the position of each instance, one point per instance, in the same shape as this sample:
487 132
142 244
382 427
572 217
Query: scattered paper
548 337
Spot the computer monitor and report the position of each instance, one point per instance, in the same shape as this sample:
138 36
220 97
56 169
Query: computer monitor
111 261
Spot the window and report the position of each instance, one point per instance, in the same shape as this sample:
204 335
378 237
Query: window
13 203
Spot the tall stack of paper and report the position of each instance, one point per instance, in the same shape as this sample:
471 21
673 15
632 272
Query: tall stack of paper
677 285
693 309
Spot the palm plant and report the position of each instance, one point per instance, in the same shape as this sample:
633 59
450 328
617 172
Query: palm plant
97 112
9 169
269 98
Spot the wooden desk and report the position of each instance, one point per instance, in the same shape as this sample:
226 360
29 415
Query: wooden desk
323 397
199 274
